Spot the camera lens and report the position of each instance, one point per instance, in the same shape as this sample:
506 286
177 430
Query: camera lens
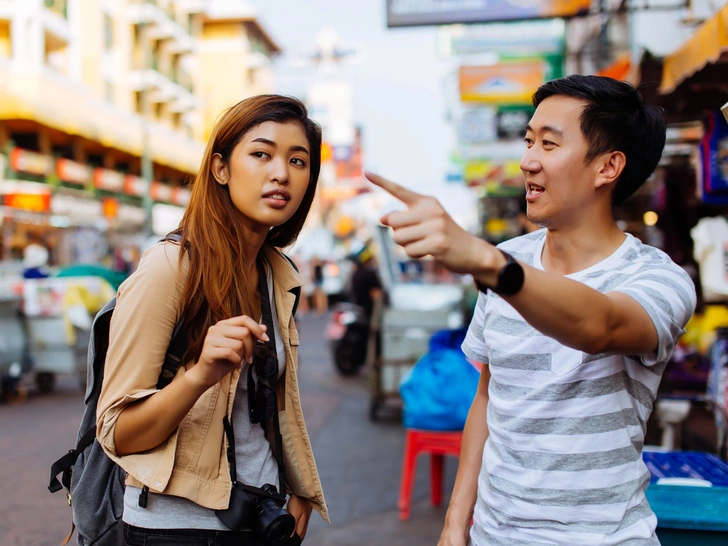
272 524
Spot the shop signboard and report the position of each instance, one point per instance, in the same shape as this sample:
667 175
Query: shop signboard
135 185
402 13
513 38
73 172
477 125
22 195
110 207
504 83
714 155
25 161
161 192
80 210
106 179
181 196
32 202
348 159
490 173
511 123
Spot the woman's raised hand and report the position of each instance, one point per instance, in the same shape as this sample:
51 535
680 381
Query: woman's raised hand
227 345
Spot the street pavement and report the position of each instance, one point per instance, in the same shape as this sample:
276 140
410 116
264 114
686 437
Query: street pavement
359 461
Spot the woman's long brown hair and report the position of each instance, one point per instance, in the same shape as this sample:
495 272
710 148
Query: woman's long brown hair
217 286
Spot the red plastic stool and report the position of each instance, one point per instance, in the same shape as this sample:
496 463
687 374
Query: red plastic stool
437 444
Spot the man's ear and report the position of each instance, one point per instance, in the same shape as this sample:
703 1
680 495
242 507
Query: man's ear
611 166
219 170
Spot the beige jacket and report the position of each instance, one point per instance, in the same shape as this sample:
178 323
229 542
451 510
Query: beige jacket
192 462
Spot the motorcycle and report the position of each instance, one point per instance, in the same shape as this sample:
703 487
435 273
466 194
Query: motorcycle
348 336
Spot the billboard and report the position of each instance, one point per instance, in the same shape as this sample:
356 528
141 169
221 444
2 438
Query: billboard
403 13
505 83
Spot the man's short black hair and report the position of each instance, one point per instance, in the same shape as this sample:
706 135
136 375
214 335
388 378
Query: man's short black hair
615 119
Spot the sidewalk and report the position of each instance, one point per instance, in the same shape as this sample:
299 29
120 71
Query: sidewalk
360 462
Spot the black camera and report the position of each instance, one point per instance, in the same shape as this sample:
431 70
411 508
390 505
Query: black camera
260 509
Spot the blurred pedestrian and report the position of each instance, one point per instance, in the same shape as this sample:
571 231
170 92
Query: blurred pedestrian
250 198
574 323
320 299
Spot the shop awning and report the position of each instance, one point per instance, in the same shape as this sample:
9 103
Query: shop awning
621 70
704 47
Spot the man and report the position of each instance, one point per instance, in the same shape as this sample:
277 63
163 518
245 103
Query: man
574 324
365 284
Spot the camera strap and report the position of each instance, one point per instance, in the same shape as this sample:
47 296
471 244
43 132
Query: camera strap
229 432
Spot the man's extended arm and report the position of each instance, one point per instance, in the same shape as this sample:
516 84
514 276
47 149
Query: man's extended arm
462 501
568 311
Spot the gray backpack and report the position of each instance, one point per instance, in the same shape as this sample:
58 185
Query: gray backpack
94 483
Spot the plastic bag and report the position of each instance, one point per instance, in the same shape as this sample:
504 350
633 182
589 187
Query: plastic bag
439 390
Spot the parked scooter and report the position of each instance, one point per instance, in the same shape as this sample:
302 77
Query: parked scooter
348 335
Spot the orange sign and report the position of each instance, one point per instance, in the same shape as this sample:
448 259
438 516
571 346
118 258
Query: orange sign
30 162
161 192
33 202
70 171
135 185
106 179
110 206
505 83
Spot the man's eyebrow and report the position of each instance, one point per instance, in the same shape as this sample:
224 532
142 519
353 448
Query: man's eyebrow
271 143
547 129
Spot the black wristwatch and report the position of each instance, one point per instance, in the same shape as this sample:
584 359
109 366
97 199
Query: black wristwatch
510 278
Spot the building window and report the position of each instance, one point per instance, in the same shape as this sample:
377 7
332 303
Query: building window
176 120
159 110
108 31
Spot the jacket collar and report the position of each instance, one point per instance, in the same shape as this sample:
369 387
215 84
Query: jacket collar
284 273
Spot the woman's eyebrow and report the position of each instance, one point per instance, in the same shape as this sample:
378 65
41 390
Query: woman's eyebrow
271 143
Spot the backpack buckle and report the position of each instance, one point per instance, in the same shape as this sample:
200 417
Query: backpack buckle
68 495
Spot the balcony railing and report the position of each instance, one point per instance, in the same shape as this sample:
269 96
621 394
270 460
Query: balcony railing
59 6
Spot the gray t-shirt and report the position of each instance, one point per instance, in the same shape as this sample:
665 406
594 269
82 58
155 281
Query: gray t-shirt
562 464
256 464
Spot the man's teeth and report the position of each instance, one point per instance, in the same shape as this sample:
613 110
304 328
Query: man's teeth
535 189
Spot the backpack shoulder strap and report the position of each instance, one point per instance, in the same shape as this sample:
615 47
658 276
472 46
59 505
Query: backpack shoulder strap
297 290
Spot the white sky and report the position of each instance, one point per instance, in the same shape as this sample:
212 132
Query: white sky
398 91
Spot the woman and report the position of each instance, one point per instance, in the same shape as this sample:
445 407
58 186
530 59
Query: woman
251 196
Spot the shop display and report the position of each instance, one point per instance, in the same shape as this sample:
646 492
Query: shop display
710 237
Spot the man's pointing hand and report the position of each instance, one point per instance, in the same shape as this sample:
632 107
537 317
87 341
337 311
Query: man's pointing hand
426 229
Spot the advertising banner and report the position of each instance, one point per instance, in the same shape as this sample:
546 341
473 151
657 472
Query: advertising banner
547 36
505 83
402 13
25 161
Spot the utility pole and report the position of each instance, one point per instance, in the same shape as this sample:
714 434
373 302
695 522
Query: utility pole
147 170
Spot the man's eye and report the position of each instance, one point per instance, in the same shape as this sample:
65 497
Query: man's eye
548 143
528 141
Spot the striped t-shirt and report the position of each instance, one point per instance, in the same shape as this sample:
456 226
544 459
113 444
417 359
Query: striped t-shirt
562 464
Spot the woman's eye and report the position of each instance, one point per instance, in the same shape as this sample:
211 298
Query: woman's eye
298 161
260 154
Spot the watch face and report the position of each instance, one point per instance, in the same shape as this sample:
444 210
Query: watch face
510 279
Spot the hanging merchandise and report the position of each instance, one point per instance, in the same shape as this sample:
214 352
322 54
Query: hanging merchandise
714 156
710 236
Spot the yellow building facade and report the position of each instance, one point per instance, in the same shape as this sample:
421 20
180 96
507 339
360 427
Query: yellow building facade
89 88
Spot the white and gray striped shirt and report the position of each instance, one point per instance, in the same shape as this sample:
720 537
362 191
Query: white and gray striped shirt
562 464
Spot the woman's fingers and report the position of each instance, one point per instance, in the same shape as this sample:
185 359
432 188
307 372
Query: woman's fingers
232 325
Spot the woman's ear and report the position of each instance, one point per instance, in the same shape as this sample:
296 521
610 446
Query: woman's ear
220 170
